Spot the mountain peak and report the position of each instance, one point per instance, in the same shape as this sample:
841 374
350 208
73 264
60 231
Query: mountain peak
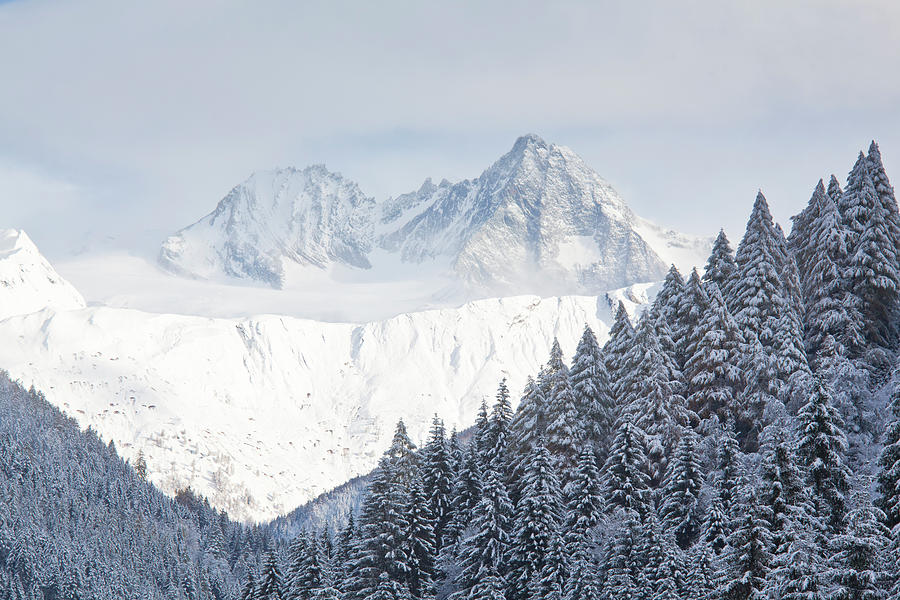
28 283
529 140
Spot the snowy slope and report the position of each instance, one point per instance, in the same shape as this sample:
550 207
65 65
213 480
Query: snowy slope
538 220
263 414
28 283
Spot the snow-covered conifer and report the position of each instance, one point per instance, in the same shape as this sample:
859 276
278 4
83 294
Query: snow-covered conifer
625 479
888 482
591 387
538 517
720 267
821 446
486 552
680 509
713 377
692 305
437 479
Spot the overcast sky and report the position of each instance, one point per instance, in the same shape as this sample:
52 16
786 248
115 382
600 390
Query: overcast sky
132 119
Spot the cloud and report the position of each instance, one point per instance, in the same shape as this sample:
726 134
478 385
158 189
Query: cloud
157 109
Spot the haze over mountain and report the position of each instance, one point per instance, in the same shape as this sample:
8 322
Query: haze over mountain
538 220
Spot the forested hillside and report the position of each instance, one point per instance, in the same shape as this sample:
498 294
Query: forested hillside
740 441
77 522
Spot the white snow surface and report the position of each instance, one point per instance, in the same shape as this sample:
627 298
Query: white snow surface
262 414
537 221
28 283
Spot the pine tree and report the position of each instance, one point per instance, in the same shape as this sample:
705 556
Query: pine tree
419 544
652 399
665 305
486 552
781 494
680 510
620 337
720 267
482 425
856 570
692 305
758 295
715 526
820 448
404 462
885 192
835 192
304 576
591 387
437 479
528 424
538 516
625 578
626 483
730 472
748 561
499 431
466 493
383 525
248 592
490 586
831 310
713 376
271 586
872 255
888 482
565 432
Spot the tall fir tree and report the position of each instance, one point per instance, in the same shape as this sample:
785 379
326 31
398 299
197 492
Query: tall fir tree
680 509
591 387
437 479
620 339
821 446
874 276
831 308
419 543
625 479
565 431
486 551
499 425
692 305
888 482
466 493
584 499
885 192
271 584
856 560
538 518
720 267
748 560
625 562
652 399
713 376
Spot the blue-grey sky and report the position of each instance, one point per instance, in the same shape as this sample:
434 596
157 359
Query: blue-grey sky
131 120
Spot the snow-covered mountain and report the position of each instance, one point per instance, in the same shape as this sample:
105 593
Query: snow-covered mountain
308 217
263 414
28 283
538 220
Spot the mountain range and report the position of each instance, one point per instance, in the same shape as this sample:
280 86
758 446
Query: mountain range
539 220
